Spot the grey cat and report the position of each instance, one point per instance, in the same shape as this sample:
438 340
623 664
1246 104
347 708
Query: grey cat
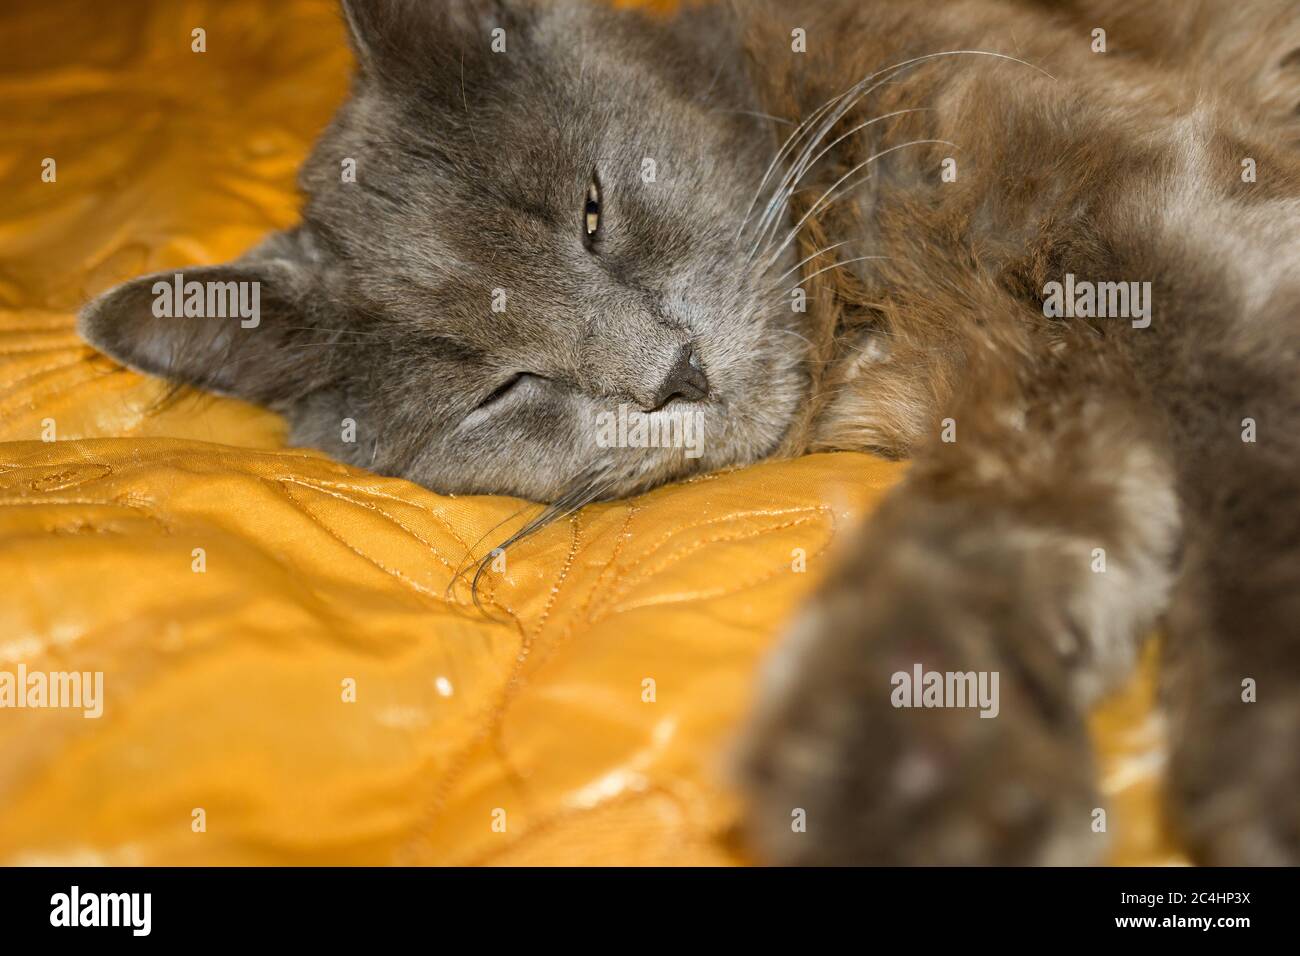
1060 277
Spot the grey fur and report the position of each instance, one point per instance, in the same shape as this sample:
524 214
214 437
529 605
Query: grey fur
472 168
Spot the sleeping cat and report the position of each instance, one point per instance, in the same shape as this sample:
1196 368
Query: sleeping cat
1048 251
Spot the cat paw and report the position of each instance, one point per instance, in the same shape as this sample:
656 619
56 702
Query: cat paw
836 772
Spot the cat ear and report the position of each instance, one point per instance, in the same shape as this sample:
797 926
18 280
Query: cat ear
225 328
399 34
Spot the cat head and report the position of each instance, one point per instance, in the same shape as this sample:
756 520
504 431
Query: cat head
517 269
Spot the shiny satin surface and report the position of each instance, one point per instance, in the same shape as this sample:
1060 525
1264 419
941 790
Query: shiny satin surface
284 644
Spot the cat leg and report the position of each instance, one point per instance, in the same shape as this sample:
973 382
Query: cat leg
1036 546
1232 668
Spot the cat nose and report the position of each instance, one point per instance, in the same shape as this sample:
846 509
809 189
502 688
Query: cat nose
684 380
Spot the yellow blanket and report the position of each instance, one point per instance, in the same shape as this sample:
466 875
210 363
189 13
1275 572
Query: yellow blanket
287 676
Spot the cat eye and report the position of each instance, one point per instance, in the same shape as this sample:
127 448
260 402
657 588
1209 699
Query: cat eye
591 210
502 390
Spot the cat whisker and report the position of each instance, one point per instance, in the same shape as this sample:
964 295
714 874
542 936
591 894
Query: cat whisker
801 337
799 168
794 136
588 488
464 99
797 172
756 114
819 252
838 265
826 200
856 92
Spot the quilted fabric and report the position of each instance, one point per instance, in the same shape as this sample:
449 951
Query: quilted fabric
293 672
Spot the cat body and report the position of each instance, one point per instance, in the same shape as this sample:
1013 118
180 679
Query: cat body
1058 270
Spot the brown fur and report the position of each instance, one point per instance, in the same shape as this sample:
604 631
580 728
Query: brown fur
1071 434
